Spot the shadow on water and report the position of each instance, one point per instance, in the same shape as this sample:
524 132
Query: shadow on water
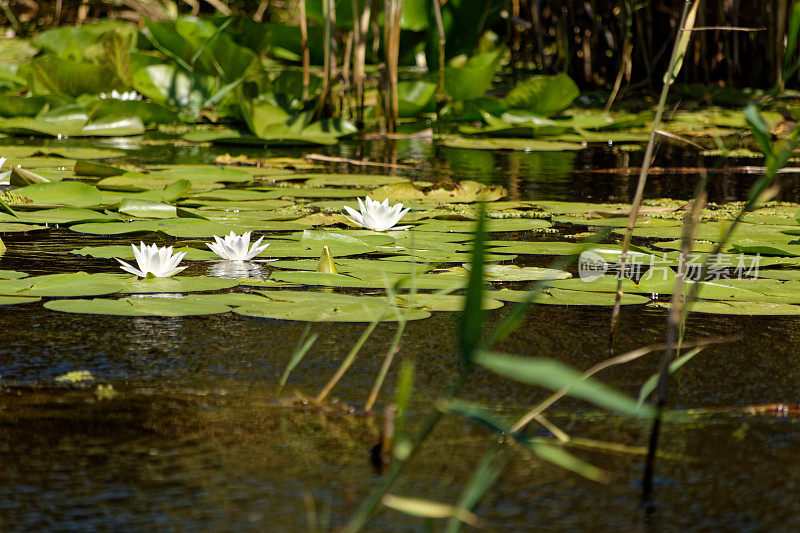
195 438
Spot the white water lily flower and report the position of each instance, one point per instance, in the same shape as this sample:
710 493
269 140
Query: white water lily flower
3 175
377 216
154 261
236 248
115 95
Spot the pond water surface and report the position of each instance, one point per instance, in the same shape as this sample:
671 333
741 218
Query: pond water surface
195 437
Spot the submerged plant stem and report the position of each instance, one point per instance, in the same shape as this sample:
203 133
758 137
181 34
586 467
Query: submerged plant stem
387 363
351 356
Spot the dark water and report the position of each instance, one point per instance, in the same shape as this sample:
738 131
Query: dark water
195 437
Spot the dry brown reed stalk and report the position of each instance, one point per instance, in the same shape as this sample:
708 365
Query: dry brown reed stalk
678 51
361 21
393 10
441 95
304 47
674 321
329 60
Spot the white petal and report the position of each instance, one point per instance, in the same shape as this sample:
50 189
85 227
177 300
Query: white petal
128 268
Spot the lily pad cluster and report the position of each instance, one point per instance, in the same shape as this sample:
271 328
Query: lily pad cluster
294 216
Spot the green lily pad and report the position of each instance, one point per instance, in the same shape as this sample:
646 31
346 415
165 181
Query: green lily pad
357 237
71 194
517 273
176 284
443 302
236 195
60 215
139 307
16 300
357 265
123 251
351 180
525 145
596 284
786 275
64 285
314 278
326 307
185 228
551 296
740 308
465 191
8 227
492 225
146 208
12 274
232 299
314 192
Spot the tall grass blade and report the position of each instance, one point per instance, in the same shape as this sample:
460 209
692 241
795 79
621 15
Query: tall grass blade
554 375
471 326
790 68
405 384
429 509
560 457
650 385
483 478
348 360
682 45
303 345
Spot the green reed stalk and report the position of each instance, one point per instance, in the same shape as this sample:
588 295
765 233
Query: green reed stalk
469 343
775 160
675 62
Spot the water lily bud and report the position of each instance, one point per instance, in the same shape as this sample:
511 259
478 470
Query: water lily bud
326 264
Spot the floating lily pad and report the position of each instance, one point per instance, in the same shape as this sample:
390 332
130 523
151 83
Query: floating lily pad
525 145
465 191
492 225
64 285
326 307
71 194
443 302
146 208
236 195
517 273
12 274
123 251
177 284
17 300
60 215
357 237
185 228
551 296
315 192
351 180
232 299
740 308
787 275
139 307
314 278
357 265
8 227
596 284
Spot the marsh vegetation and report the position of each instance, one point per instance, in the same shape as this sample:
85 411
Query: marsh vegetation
429 265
